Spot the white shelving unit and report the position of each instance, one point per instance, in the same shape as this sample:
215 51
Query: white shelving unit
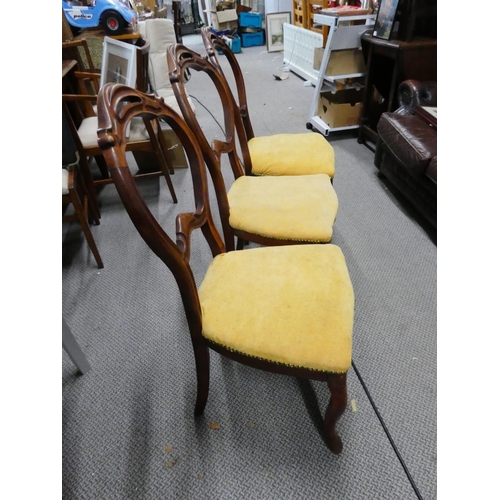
342 35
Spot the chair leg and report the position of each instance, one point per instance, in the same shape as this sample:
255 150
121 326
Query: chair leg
336 407
88 190
88 183
202 360
159 154
81 214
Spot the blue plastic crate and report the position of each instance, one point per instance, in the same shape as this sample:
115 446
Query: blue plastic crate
234 43
251 39
250 20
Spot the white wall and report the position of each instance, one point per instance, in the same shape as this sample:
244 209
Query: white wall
278 6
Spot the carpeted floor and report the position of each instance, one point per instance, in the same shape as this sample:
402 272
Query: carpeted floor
128 426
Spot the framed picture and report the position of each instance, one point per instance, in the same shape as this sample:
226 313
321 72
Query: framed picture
384 24
119 62
274 30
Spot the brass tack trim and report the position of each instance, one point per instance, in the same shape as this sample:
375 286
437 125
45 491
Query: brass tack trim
271 361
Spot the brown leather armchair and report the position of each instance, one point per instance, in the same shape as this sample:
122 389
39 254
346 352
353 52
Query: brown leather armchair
406 152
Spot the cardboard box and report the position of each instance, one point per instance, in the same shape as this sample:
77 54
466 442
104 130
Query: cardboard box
341 109
147 162
175 150
342 62
225 19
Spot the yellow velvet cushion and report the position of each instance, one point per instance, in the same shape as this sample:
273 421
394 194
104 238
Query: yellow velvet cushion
292 154
301 208
289 304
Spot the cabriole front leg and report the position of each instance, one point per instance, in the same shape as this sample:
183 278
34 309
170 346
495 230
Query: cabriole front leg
338 402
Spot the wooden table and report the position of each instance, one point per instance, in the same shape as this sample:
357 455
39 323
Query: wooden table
128 35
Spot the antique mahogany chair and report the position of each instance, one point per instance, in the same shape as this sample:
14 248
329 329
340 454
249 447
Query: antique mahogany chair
278 154
268 210
144 135
283 309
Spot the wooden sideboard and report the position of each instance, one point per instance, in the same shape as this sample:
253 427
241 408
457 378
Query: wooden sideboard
389 62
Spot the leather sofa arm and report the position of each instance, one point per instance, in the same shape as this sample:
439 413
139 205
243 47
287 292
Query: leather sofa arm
412 93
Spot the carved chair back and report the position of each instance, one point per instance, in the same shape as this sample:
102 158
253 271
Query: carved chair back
213 44
181 62
117 105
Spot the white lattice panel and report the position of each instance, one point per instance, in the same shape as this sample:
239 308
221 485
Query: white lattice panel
299 51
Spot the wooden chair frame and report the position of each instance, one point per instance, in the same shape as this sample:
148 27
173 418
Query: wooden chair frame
81 105
113 119
300 15
213 44
216 45
182 61
84 210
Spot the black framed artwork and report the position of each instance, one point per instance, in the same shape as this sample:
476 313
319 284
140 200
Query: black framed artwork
384 24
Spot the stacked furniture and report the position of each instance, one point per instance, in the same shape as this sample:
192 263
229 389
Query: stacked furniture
406 151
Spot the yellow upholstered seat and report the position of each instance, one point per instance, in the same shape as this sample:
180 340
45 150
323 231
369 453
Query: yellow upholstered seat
286 309
299 208
292 305
292 154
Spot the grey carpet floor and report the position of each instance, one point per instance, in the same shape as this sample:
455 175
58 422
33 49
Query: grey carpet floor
128 427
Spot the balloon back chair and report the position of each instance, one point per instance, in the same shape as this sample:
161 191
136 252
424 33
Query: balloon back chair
282 309
268 210
277 154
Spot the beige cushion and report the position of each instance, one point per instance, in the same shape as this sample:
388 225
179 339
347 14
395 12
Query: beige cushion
300 208
160 34
289 304
88 131
65 189
292 154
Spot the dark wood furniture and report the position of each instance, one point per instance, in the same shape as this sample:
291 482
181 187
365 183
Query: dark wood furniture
406 151
261 219
176 14
310 146
79 108
388 64
176 256
69 83
75 195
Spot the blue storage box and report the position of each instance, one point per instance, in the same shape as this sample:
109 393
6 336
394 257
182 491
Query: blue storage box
250 20
251 39
234 43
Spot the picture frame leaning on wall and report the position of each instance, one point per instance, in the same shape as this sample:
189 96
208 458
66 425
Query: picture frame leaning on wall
275 37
